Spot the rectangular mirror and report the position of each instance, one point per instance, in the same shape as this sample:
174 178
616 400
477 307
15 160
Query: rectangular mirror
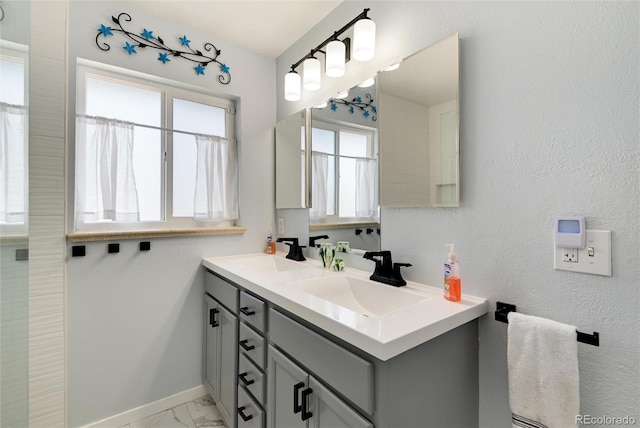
344 140
293 188
418 122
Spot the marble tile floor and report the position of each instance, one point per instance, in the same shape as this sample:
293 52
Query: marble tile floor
200 413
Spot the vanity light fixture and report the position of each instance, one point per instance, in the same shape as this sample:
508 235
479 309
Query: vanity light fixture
336 58
367 83
337 54
364 40
292 86
311 74
393 67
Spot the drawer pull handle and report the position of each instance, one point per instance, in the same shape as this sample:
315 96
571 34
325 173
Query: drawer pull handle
305 404
243 378
297 407
212 317
244 417
245 310
246 347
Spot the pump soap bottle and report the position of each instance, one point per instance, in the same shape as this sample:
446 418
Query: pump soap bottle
271 246
452 276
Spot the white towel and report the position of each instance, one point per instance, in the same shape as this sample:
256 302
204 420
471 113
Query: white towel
542 358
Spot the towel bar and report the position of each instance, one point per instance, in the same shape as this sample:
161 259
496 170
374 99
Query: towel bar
502 309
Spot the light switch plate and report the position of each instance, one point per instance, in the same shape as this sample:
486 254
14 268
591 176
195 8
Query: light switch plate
594 259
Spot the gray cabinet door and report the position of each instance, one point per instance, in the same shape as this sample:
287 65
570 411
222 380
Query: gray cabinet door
228 357
286 382
211 346
330 412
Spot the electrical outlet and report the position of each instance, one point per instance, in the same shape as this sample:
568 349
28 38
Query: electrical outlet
570 255
280 225
594 259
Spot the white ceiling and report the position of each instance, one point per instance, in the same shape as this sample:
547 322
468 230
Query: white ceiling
263 26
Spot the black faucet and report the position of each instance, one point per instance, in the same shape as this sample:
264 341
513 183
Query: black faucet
313 239
295 250
386 271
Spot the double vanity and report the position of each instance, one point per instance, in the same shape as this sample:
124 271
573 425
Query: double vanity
291 344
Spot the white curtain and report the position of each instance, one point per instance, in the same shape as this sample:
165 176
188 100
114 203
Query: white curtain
216 194
319 184
366 187
105 181
13 132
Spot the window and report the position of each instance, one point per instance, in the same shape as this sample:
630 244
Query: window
152 155
344 171
14 136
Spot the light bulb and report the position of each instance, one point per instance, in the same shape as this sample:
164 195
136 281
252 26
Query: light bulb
342 95
364 40
393 67
292 86
369 82
311 74
322 105
335 58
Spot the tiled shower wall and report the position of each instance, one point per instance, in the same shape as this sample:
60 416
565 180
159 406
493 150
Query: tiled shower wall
47 78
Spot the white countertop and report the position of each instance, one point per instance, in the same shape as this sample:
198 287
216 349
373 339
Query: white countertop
383 336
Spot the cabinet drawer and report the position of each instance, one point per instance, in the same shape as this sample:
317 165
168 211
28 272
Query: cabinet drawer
251 344
223 291
250 415
252 310
347 373
251 378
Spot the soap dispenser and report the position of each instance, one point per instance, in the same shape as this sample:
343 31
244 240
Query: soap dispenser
452 284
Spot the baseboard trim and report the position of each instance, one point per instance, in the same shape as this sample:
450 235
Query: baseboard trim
150 409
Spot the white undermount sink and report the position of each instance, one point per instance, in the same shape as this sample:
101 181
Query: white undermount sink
268 264
365 297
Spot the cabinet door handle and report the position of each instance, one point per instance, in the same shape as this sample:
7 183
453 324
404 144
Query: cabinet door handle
245 310
212 317
246 347
305 404
297 407
242 415
243 378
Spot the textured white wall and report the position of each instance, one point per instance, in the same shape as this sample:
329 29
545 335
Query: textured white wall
549 126
135 319
47 132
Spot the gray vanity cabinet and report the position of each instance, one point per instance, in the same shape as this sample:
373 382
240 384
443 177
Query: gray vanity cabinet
329 411
286 382
265 365
251 347
297 399
221 344
211 346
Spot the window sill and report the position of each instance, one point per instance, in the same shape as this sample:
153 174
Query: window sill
323 226
14 240
147 234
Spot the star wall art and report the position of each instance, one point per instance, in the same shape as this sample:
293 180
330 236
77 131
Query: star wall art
136 42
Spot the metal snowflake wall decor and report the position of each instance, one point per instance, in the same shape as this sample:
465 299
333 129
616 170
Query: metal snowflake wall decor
146 39
366 107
